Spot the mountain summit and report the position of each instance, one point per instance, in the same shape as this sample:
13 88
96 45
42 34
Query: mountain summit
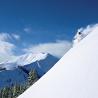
25 59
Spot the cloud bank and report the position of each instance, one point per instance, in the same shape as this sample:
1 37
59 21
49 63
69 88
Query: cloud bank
58 48
6 47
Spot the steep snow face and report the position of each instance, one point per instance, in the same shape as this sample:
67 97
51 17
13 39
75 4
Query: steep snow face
74 76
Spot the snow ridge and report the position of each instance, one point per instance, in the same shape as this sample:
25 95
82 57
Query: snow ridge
24 60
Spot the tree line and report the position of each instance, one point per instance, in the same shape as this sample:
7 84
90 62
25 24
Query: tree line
17 89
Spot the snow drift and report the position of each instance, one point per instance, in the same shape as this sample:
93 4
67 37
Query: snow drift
74 76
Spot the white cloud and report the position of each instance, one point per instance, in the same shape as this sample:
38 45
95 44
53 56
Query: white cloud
6 47
15 36
27 29
4 36
58 48
6 50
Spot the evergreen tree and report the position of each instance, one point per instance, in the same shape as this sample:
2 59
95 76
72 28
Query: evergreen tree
5 92
33 77
10 92
16 89
1 91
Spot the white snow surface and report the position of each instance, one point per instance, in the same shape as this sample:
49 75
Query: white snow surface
74 76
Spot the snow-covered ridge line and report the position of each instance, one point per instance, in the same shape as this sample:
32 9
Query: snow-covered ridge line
30 58
23 60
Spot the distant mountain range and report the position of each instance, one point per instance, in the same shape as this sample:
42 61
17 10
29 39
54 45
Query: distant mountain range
17 71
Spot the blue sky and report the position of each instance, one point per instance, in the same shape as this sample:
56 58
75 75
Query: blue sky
44 21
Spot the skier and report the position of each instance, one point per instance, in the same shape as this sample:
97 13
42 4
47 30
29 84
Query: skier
77 38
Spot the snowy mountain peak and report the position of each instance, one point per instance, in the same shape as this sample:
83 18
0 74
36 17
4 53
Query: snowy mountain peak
30 58
25 59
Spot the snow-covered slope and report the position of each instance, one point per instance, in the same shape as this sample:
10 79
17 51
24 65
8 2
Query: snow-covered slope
74 76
